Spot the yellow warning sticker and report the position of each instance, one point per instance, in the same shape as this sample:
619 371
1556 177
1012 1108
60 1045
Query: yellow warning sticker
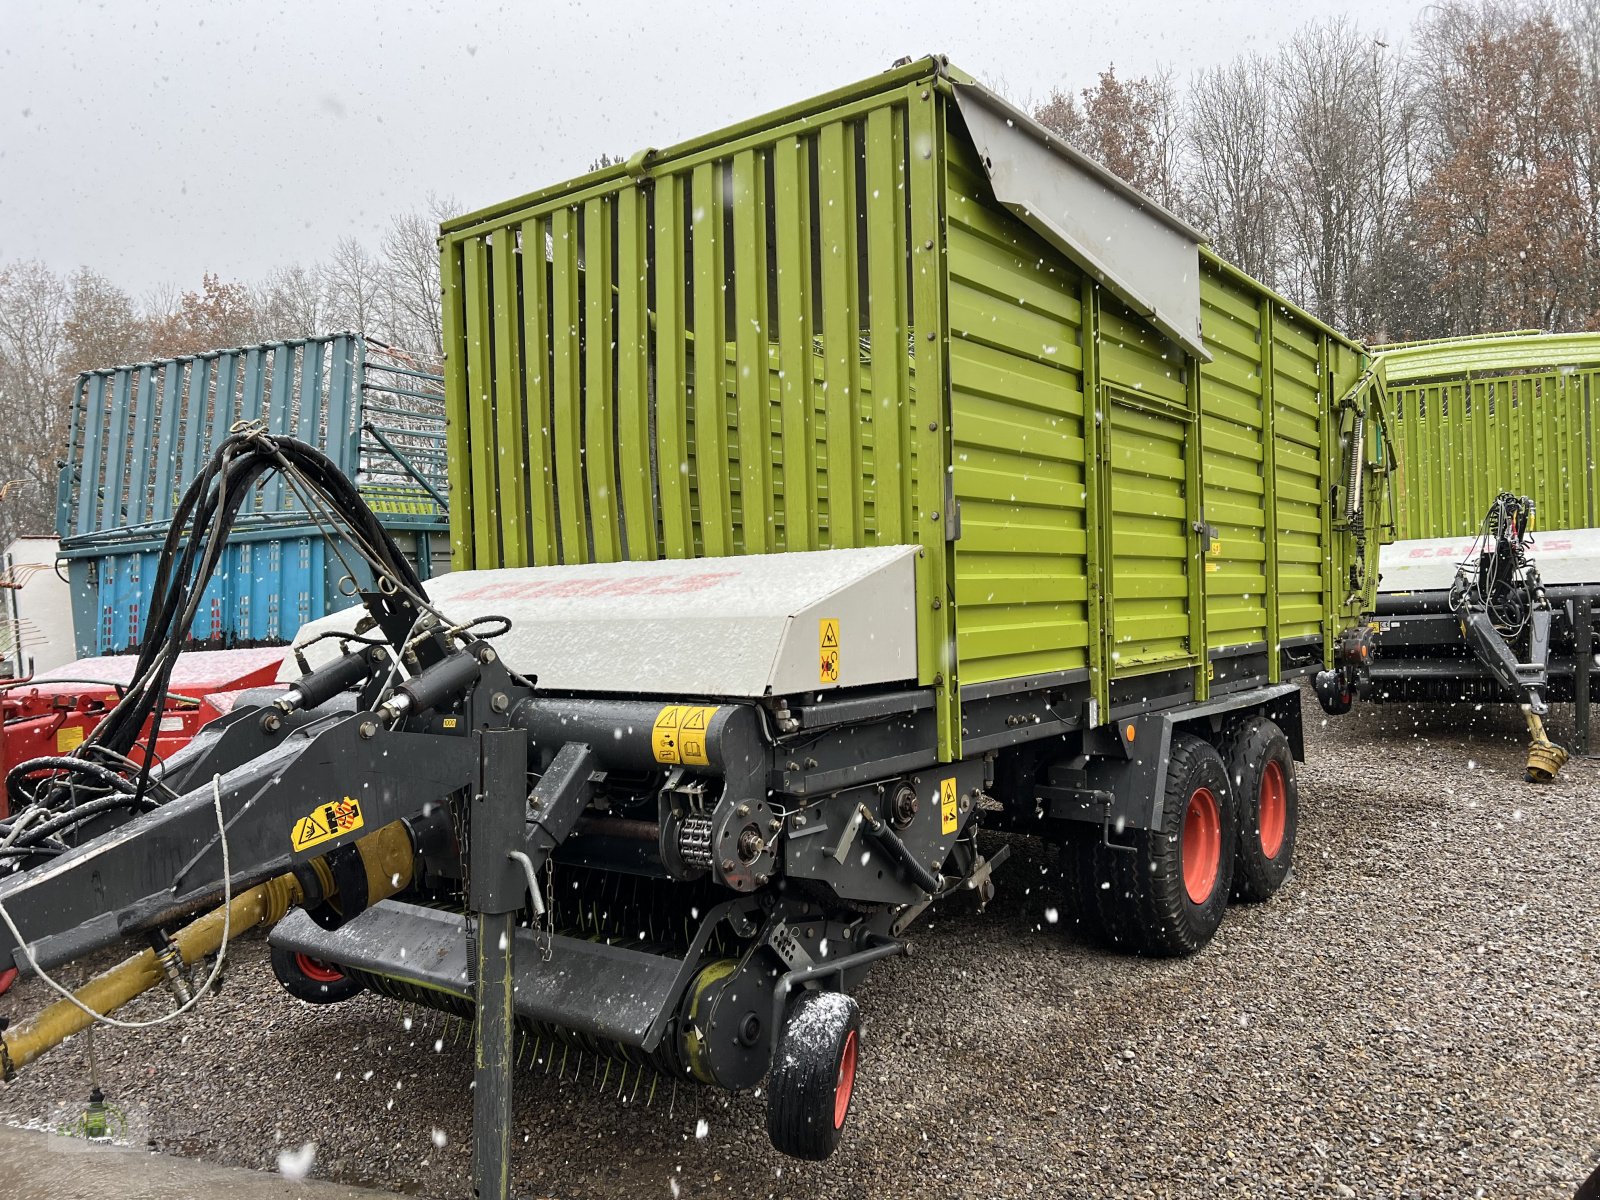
828 649
449 722
68 737
323 824
679 734
947 806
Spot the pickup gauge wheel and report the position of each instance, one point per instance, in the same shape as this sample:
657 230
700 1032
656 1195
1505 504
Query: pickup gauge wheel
814 1075
311 979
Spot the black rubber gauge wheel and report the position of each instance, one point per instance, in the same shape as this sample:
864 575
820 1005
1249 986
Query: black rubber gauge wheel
814 1075
311 979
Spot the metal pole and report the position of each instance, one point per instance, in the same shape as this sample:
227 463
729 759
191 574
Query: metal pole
1584 607
492 1031
498 813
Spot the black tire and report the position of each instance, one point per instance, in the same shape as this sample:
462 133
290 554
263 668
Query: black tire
1146 896
311 979
809 1091
1261 769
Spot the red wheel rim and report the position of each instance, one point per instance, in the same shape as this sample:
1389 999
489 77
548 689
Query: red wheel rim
7 978
847 1080
316 970
1273 814
1201 845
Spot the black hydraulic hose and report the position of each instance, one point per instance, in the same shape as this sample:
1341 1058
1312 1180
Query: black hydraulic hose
77 816
77 766
901 853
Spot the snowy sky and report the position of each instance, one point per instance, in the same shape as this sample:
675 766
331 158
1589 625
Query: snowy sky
157 139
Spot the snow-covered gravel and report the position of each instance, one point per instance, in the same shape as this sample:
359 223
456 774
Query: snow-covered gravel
1414 1016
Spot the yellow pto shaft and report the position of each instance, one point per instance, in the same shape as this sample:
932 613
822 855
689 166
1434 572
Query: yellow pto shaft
386 854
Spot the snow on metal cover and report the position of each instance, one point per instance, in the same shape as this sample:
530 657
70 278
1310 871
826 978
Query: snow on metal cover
750 625
1563 556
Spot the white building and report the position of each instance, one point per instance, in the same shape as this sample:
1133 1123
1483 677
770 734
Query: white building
35 609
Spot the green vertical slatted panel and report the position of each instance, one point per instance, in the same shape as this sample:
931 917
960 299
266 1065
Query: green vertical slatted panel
511 494
143 424
480 408
791 173
541 481
841 328
168 451
633 375
886 278
751 366
567 385
111 504
194 433
936 633
599 410
279 410
1272 596
672 371
710 337
1482 462
310 390
92 479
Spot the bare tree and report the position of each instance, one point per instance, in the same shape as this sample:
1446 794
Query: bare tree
294 302
356 288
33 312
1504 210
1131 127
411 276
1233 148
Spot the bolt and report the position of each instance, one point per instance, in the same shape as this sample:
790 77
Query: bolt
727 864
937 603
499 702
811 764
743 810
368 729
762 880
774 825
271 723
933 427
487 654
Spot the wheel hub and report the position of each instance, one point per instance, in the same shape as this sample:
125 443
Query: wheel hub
1201 845
1272 817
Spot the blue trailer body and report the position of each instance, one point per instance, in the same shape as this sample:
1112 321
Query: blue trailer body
141 433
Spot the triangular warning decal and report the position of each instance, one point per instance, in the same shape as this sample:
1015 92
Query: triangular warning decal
308 832
830 634
695 720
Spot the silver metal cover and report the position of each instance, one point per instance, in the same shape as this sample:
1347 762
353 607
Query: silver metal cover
1144 254
747 626
1565 557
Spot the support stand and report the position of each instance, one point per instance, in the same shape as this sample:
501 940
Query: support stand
495 893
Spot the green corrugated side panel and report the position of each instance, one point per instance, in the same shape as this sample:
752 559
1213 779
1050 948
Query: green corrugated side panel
1500 412
1464 441
806 248
1145 438
1016 389
1300 478
1234 487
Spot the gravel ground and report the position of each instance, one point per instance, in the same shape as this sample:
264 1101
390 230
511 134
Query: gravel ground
1414 1015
